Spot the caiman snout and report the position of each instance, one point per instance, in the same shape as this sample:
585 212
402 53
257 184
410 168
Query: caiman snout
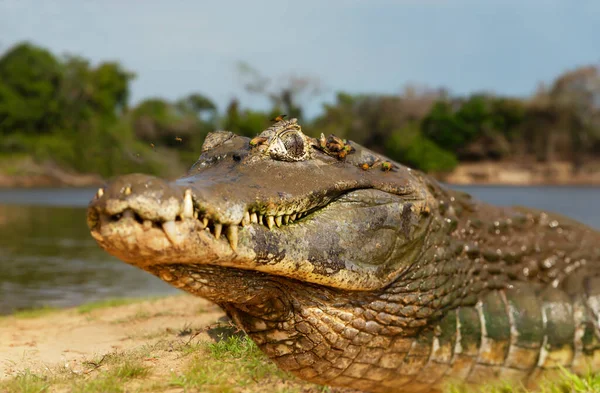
139 199
148 197
143 211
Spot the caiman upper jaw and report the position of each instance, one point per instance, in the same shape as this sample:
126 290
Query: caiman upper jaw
138 202
151 202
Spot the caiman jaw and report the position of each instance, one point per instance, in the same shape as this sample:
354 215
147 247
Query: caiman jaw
139 215
149 222
118 210
189 213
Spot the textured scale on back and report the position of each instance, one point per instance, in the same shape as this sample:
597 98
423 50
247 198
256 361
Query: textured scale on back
351 270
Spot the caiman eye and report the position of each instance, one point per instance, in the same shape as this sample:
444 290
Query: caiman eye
294 144
288 146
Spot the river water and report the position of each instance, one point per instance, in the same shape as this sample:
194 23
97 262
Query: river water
48 258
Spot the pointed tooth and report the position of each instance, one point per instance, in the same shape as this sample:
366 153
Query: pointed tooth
127 190
204 222
261 219
246 219
172 231
97 236
232 235
218 230
253 218
286 219
293 217
270 221
188 205
195 215
278 221
100 192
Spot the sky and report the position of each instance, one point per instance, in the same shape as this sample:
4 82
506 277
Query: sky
177 47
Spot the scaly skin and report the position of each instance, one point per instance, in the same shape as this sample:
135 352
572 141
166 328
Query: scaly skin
350 270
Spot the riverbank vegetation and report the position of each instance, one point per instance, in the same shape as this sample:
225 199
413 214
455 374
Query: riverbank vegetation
67 112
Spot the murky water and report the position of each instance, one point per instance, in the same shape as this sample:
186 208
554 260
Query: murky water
47 256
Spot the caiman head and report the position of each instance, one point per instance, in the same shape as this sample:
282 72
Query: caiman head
271 227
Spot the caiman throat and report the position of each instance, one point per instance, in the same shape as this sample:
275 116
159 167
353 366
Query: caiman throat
351 270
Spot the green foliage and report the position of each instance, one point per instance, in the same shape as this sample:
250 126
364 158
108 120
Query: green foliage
476 128
453 129
247 123
30 77
410 147
68 112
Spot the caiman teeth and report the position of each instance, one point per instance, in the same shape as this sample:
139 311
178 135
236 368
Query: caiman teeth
175 231
188 205
218 229
171 229
270 222
246 219
100 193
232 236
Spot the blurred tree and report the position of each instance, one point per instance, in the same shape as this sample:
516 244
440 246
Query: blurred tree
198 105
111 89
576 94
29 90
410 147
286 94
246 122
371 119
75 113
180 124
476 128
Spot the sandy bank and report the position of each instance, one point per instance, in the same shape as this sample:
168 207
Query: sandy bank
163 345
512 173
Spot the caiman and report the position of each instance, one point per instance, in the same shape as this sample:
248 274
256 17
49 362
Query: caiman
351 270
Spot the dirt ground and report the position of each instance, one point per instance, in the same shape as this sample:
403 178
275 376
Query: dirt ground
63 350
68 338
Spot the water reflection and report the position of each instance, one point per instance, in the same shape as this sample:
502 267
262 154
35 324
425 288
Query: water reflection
47 257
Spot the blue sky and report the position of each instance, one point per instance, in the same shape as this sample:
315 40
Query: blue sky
181 46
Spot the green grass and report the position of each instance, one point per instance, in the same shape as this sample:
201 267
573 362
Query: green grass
107 303
228 365
35 312
566 382
25 382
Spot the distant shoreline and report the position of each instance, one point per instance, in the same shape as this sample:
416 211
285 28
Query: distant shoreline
472 173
